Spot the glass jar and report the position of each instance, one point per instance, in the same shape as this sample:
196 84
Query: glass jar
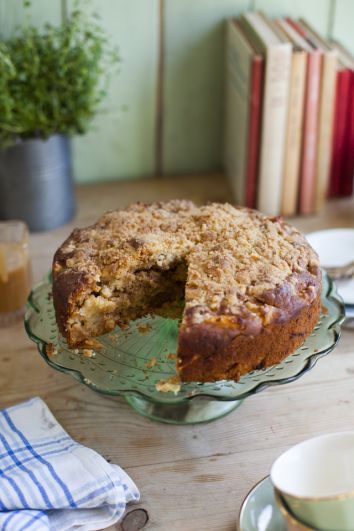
15 270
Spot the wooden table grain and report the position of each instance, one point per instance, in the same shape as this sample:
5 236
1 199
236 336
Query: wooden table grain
191 478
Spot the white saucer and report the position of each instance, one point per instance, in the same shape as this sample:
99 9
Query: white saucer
335 247
259 510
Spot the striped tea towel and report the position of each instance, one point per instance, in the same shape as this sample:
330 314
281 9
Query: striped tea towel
50 482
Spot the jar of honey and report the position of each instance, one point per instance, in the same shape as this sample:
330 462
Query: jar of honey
15 270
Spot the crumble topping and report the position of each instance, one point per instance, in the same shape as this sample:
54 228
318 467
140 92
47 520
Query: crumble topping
232 266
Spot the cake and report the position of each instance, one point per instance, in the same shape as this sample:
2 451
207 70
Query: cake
251 284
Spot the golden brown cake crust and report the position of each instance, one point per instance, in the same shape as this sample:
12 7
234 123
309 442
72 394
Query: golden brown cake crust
231 355
245 277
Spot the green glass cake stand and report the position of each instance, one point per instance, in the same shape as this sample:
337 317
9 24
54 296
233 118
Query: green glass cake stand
133 362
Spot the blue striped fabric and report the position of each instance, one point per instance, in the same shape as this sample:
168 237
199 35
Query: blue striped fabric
50 482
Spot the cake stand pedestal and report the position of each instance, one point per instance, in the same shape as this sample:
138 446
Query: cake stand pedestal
135 361
199 410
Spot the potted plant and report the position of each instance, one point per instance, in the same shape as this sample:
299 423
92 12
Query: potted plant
51 84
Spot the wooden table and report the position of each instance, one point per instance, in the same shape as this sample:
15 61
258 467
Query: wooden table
191 478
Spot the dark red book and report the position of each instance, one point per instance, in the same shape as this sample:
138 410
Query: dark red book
339 131
346 182
255 115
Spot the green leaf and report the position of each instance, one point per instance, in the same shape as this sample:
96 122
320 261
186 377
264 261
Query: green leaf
53 80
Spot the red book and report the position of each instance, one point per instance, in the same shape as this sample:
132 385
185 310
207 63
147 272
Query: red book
254 124
346 183
339 131
307 189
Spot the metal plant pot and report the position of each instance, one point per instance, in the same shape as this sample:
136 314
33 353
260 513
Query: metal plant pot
36 183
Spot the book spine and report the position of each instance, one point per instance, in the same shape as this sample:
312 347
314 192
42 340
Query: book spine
254 131
310 134
325 128
338 144
275 105
348 170
293 135
238 69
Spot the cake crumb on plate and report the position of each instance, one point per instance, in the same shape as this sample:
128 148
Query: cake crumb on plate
151 362
88 353
171 385
51 350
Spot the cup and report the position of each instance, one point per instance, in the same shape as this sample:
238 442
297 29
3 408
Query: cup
15 270
316 480
292 523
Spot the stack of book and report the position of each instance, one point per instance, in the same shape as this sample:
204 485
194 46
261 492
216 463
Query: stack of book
289 115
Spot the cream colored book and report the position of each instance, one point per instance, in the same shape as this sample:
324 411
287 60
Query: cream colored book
275 109
326 114
239 55
293 140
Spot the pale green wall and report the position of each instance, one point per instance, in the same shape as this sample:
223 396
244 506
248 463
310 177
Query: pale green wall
123 142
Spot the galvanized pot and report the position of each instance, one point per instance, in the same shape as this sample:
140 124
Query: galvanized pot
36 183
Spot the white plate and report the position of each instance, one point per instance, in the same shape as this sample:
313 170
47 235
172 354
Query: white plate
335 247
259 510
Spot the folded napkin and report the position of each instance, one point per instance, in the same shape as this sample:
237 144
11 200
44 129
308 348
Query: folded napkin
49 481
